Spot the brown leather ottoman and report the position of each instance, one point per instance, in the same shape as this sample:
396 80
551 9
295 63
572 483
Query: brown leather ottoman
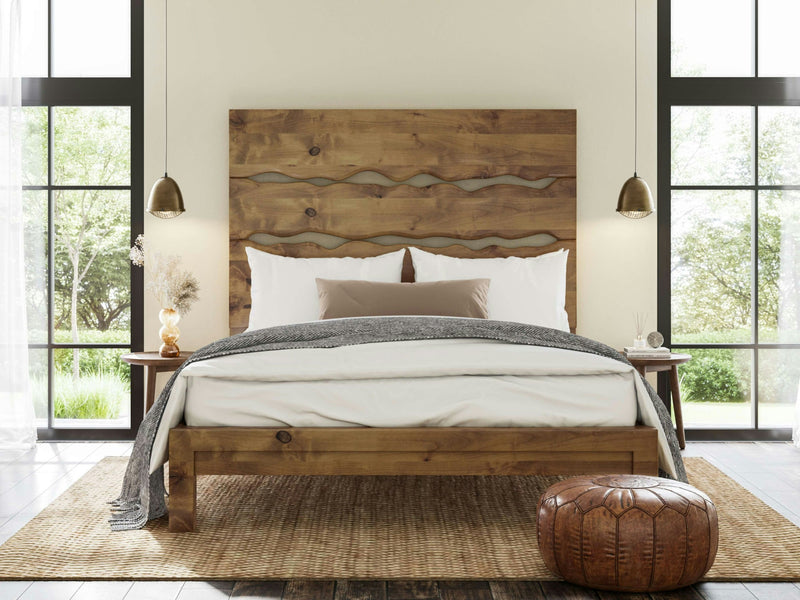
627 533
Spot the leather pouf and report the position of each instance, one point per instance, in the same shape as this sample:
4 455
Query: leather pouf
627 533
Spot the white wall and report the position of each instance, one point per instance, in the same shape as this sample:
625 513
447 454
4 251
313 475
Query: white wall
416 54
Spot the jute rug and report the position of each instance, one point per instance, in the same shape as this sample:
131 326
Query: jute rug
356 527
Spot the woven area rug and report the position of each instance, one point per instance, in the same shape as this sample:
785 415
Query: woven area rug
357 528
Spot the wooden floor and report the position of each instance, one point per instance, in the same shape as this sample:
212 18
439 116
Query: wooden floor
30 481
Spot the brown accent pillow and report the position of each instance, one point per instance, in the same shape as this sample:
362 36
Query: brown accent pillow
355 298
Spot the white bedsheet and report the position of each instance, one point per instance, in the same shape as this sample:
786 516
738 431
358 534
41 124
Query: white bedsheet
421 383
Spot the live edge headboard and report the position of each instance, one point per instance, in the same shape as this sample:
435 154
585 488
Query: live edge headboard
466 183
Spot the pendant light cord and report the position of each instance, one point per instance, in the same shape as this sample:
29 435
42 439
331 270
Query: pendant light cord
166 83
635 85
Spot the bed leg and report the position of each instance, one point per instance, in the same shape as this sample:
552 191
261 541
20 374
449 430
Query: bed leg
182 483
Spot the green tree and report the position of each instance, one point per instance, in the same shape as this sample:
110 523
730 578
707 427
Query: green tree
92 147
91 227
712 248
710 266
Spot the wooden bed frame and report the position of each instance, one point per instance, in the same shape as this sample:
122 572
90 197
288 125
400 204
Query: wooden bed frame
451 145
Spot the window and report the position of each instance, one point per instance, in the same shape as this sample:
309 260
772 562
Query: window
729 211
82 176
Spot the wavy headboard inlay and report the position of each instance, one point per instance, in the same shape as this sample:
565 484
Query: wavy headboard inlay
372 178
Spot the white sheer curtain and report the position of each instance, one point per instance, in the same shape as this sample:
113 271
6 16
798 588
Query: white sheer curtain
789 311
17 426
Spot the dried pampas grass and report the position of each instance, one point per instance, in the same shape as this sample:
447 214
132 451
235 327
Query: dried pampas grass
171 285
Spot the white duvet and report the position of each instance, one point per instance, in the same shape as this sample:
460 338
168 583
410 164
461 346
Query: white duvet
420 383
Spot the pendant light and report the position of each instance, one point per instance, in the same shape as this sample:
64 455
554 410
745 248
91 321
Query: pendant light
166 200
635 200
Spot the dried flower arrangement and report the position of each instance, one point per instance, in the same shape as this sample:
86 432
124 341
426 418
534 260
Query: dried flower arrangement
172 286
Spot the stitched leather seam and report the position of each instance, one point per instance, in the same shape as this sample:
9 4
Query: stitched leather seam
616 551
653 555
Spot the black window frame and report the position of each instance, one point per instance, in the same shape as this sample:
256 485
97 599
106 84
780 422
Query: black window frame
753 92
97 91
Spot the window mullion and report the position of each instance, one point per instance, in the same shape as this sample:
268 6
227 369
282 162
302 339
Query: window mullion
708 91
50 268
51 93
754 271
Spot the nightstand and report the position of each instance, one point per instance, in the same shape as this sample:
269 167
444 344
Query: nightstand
668 363
153 364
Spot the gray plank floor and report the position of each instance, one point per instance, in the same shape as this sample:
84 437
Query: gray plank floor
30 481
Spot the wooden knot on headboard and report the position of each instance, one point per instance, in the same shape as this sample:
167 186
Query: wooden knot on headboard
393 178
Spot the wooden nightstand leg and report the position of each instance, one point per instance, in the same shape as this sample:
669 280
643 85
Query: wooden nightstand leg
676 405
150 387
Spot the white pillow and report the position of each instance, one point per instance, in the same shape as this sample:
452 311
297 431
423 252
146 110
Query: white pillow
284 290
525 290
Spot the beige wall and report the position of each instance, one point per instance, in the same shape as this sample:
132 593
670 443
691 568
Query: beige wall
418 54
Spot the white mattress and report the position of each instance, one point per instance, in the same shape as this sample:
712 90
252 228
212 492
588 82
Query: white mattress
428 383
447 401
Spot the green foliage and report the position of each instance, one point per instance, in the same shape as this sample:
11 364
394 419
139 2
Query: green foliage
93 396
711 379
710 266
778 370
94 360
715 374
110 336
91 227
98 396
711 246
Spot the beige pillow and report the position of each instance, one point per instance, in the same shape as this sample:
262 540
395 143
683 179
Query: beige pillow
356 298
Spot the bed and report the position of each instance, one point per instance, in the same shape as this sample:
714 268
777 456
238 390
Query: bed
318 183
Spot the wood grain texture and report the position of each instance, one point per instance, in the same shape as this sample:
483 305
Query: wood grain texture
561 590
402 121
182 481
621 596
400 156
450 144
239 290
416 439
356 211
464 590
406 451
413 463
412 590
349 589
516 590
308 589
687 593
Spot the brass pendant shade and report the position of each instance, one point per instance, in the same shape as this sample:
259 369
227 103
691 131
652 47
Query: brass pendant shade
635 200
166 200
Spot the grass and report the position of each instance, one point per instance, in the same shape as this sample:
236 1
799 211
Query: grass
92 396
736 414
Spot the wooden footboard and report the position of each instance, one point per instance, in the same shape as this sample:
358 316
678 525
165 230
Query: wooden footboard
197 451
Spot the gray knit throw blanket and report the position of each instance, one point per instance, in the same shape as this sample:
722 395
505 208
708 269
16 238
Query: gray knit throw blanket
143 494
